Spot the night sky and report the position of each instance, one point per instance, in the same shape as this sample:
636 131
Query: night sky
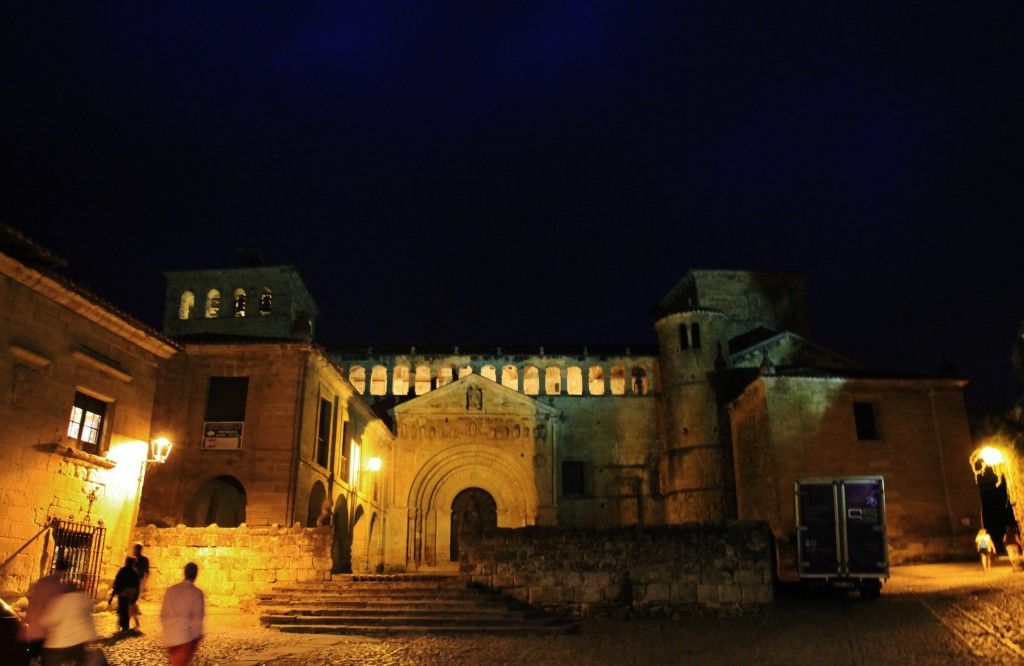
540 173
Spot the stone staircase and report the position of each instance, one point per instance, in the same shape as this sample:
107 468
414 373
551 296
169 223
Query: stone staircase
388 605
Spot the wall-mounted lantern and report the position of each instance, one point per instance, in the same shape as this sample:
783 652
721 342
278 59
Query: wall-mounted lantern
159 449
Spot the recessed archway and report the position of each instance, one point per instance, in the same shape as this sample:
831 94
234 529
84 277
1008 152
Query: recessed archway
473 511
220 500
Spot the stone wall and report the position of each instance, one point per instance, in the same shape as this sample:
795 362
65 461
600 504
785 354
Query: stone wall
719 568
236 563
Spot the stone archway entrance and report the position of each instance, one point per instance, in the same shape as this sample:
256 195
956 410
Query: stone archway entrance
341 546
221 501
473 511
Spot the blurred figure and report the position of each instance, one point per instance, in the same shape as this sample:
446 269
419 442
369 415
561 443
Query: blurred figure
42 593
986 548
126 589
141 568
182 616
1013 544
67 623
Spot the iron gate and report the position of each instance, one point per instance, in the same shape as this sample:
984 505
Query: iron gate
81 546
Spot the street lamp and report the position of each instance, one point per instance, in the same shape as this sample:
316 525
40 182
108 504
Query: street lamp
987 458
159 449
373 465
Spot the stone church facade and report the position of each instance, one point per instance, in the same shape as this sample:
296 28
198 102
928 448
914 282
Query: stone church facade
404 453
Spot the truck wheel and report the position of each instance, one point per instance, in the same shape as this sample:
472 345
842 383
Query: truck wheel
870 589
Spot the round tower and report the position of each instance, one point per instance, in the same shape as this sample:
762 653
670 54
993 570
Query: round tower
696 470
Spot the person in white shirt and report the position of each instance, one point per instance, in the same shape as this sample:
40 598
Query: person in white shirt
69 628
182 617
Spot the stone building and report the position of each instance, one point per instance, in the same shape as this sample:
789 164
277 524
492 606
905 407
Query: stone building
667 434
269 432
403 454
78 380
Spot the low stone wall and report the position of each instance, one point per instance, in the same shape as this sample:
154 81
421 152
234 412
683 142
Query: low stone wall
235 563
716 568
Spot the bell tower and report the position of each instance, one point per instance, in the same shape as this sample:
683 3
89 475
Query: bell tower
249 301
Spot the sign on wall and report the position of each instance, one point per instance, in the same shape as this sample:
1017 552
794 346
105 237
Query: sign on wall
222 435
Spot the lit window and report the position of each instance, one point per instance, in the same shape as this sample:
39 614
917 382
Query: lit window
595 380
444 376
239 302
400 386
86 424
574 380
639 381
187 305
531 380
346 451
353 474
357 377
465 371
266 301
422 379
553 380
379 380
490 372
510 377
618 380
212 304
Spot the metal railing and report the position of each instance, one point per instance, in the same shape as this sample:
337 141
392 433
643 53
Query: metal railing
81 546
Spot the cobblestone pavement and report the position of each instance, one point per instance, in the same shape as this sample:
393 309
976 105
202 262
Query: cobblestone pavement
927 614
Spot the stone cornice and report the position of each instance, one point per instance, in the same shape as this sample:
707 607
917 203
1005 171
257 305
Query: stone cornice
67 297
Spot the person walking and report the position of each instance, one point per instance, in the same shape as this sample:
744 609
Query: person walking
1013 544
986 548
126 589
141 568
69 629
43 592
182 616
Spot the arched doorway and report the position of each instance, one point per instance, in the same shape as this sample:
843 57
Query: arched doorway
317 497
341 545
221 501
473 511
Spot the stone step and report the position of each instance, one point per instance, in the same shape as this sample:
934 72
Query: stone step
392 593
440 629
375 606
329 586
386 605
409 618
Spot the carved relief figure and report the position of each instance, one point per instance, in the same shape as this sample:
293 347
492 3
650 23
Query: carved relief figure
475 398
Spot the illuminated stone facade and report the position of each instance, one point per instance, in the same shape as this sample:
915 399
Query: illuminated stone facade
405 453
62 346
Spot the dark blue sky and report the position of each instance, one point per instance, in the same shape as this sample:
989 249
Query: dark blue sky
446 173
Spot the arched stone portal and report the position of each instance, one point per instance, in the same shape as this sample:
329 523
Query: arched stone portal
504 479
473 511
220 500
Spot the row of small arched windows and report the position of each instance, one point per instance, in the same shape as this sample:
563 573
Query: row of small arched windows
422 382
212 309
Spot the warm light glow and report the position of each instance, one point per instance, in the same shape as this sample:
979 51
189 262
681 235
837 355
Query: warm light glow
373 464
991 456
160 448
989 460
